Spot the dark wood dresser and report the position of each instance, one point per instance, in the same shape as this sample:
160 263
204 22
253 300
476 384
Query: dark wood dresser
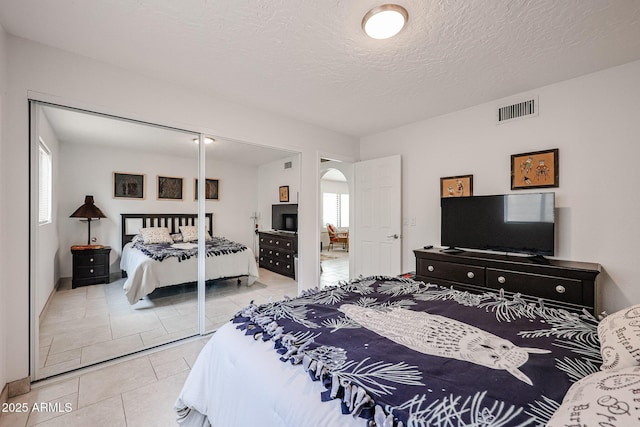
573 284
90 265
277 252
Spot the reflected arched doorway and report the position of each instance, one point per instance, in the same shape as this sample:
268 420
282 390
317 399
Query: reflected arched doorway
335 221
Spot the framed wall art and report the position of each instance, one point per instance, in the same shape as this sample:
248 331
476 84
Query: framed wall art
211 189
169 188
284 193
539 169
456 186
128 186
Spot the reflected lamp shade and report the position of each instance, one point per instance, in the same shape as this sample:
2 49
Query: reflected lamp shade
88 211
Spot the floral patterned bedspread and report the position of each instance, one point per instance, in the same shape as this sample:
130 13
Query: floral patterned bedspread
409 353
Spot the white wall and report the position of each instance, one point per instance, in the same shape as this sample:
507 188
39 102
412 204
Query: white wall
48 244
232 212
77 81
3 192
271 177
593 120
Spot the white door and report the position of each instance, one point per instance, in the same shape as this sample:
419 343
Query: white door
378 224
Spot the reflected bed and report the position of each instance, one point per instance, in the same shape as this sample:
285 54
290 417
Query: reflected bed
145 274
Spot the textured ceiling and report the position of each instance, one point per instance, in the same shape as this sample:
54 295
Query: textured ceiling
310 60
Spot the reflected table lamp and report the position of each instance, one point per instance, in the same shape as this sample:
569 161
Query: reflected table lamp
88 211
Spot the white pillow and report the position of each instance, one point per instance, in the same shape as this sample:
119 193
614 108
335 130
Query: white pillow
619 335
190 233
606 398
156 235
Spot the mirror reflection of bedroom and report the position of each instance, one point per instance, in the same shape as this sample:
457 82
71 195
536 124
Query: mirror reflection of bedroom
115 253
334 216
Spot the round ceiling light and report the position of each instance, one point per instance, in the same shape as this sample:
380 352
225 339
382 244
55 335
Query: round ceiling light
385 21
207 140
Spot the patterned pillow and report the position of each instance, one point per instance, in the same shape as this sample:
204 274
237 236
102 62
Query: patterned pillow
606 398
190 233
619 335
177 238
156 235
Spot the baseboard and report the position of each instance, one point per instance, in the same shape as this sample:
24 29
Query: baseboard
46 304
18 387
4 395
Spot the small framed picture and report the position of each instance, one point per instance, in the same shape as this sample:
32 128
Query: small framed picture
539 169
211 189
284 193
128 186
456 186
169 188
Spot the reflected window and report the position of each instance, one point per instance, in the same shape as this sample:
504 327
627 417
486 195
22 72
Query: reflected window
44 183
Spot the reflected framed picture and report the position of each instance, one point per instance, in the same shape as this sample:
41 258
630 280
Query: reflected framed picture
456 186
538 169
169 188
284 193
128 186
211 189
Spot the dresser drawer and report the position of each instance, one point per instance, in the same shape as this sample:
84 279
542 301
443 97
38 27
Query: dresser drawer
284 243
557 288
92 259
92 271
454 272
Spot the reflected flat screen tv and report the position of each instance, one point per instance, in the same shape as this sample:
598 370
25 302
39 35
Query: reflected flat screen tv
284 217
519 223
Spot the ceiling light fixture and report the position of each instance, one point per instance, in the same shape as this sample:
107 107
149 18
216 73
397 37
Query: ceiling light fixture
207 140
385 21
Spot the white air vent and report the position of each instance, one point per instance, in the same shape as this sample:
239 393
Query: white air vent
520 110
287 165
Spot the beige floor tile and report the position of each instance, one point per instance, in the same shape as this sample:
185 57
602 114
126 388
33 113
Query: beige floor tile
42 411
152 405
80 338
109 349
122 326
188 351
106 413
115 379
153 338
171 368
65 356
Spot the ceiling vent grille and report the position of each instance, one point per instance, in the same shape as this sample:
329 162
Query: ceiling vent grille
288 165
520 110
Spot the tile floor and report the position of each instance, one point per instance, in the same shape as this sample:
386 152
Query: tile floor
92 324
141 389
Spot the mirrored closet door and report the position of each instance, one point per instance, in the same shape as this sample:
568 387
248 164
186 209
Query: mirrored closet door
106 185
120 259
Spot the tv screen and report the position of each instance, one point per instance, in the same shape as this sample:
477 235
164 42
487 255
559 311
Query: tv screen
522 223
284 217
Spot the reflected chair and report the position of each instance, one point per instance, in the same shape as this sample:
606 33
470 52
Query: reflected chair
336 236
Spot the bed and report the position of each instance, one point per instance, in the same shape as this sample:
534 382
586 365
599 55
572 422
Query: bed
174 262
389 351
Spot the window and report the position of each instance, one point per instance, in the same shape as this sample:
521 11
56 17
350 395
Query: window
335 209
44 184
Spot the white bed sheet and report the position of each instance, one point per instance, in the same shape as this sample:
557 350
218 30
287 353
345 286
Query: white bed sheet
145 274
237 381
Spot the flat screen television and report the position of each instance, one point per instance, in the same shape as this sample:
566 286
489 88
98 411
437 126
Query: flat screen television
284 217
518 223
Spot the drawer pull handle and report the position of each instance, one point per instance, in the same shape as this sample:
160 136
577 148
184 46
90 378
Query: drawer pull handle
561 289
430 268
278 242
91 260
470 275
501 280
91 271
277 263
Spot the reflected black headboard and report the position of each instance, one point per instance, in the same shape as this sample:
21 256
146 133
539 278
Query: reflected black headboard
171 221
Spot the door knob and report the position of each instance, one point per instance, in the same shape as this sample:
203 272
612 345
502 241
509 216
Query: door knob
395 236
